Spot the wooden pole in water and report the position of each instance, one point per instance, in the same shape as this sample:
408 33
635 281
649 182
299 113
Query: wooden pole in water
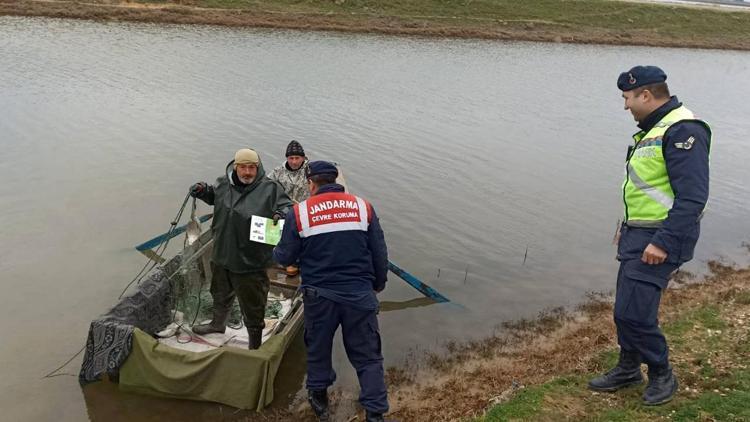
525 254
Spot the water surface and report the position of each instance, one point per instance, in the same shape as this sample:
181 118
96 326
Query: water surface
474 154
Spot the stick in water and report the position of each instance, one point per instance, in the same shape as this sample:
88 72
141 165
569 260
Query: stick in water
525 255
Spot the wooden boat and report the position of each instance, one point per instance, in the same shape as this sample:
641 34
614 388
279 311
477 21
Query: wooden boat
131 342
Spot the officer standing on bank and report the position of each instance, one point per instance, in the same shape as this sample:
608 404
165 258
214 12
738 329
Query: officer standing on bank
343 262
665 193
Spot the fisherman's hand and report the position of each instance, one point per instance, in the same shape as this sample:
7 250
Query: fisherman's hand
198 190
276 217
654 255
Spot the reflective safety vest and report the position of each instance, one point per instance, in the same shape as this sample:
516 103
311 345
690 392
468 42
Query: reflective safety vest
647 192
332 212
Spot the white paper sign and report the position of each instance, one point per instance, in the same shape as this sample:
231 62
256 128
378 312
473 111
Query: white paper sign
262 230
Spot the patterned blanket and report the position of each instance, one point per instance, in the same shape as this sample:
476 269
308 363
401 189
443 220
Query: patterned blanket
110 337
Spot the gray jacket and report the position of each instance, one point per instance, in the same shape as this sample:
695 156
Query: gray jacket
293 181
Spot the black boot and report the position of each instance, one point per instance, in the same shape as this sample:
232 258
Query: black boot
217 325
662 385
254 338
319 402
373 416
626 373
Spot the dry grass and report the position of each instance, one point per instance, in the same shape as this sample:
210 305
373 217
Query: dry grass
546 362
474 376
537 369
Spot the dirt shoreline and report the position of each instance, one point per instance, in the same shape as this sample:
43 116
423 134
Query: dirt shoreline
424 26
473 377
566 348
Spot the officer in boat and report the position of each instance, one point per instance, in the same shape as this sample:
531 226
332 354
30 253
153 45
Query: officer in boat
665 193
343 261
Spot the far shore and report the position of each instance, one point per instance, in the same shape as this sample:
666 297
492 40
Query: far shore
583 21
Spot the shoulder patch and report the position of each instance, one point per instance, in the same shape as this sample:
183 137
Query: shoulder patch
685 145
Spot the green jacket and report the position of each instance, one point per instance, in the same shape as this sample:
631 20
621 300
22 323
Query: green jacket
234 206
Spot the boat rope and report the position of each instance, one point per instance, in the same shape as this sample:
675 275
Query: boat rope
54 373
159 250
138 278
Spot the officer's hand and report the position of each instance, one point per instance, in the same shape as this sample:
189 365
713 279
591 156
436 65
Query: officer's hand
276 217
198 189
379 289
654 255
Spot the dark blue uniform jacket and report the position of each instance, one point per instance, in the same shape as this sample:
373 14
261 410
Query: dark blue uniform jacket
346 267
688 175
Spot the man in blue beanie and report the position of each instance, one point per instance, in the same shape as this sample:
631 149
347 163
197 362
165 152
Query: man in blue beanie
343 262
665 193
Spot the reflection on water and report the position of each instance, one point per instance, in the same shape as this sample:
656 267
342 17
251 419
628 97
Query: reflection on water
472 152
388 306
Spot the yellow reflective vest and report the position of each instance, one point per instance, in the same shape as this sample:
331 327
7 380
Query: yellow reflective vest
647 192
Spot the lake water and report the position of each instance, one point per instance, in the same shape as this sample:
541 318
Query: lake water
474 153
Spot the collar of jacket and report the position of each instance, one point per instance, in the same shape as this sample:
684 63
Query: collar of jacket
332 187
652 119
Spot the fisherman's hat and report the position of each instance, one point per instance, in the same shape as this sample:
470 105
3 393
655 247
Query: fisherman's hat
246 156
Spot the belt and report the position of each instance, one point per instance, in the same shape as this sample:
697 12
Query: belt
645 224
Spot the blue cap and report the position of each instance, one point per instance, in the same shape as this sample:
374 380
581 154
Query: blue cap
640 76
316 168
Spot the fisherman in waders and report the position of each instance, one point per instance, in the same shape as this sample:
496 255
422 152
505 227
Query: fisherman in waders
665 192
291 175
239 265
344 261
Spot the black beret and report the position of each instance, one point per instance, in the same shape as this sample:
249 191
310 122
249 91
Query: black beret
316 168
640 76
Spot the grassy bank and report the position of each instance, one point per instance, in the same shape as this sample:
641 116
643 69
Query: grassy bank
710 353
538 370
577 21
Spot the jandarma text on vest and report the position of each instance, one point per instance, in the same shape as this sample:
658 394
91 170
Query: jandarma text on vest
327 205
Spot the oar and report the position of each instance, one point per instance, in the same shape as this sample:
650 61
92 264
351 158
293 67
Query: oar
413 281
417 283
403 274
158 240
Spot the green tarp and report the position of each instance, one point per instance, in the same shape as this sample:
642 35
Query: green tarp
229 375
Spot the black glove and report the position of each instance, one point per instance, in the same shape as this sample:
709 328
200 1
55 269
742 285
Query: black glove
198 190
276 217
